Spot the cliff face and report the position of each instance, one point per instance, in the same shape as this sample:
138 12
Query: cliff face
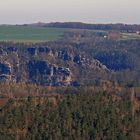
45 64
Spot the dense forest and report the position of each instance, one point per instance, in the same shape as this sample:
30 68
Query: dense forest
69 113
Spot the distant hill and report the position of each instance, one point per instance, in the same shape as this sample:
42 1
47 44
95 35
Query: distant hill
80 25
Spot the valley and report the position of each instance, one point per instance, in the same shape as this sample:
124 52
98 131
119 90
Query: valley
69 81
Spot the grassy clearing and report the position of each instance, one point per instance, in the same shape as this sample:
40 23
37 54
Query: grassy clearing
41 34
30 34
128 36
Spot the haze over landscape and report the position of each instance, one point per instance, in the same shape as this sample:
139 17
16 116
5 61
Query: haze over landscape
89 11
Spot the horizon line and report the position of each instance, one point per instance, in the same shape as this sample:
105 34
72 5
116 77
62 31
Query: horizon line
92 23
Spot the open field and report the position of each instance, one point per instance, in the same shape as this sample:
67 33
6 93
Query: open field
41 34
127 36
29 34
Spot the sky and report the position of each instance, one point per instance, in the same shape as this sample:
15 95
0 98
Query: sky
88 11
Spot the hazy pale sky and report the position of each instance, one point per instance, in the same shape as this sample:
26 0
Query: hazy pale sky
90 11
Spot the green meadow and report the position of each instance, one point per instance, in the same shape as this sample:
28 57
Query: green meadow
29 33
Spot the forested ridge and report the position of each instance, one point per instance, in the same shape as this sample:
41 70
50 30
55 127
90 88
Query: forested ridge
80 25
31 112
79 57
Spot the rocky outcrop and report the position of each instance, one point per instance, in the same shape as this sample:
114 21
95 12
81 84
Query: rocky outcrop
44 64
47 74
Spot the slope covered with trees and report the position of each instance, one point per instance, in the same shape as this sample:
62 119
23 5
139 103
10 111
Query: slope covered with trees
81 114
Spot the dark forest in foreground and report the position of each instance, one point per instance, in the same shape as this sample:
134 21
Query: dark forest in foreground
68 113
